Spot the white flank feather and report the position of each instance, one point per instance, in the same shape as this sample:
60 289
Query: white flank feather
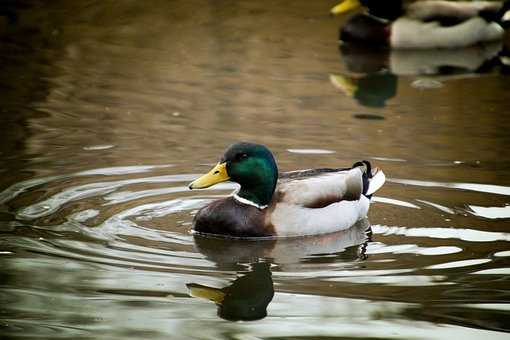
294 220
423 10
408 33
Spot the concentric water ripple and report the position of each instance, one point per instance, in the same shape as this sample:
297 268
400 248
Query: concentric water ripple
144 222
123 235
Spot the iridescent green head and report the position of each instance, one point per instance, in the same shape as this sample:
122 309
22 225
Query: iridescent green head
251 165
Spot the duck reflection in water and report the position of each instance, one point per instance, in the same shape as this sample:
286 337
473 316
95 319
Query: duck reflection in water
370 75
245 299
249 295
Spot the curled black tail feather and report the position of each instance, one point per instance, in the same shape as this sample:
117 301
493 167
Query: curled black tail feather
367 174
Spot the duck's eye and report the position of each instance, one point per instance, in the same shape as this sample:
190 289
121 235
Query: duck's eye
241 156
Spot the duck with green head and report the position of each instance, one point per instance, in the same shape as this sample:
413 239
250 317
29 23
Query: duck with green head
423 24
296 203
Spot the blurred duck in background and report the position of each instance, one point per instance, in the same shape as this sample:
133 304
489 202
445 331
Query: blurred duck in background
423 24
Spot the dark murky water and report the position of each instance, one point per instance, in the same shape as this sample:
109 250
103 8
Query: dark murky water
108 110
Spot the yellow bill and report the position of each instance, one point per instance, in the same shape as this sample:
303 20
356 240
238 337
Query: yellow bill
217 175
345 84
346 6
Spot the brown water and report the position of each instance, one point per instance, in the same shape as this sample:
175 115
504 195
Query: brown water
108 110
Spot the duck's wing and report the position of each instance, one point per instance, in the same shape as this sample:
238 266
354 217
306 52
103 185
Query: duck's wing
317 188
323 200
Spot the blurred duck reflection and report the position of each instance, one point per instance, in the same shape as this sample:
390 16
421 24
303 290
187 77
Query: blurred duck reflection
248 296
370 75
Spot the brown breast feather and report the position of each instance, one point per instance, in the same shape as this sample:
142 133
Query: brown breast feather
227 216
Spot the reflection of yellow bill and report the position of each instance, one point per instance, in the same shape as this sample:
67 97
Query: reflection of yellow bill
212 294
345 84
346 6
217 175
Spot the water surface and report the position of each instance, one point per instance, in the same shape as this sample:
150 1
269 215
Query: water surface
109 109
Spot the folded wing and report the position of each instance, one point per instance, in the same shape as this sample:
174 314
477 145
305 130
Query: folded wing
322 189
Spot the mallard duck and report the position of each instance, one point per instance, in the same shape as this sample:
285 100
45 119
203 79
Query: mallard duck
423 24
297 203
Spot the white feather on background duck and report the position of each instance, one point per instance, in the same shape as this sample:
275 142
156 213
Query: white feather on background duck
409 33
423 10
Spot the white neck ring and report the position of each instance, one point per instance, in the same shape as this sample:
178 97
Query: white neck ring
247 201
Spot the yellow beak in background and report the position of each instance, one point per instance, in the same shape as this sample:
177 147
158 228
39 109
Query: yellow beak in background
345 84
217 175
346 6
